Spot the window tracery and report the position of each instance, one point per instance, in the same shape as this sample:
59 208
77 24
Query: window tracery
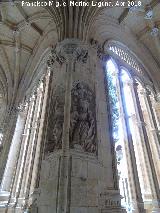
136 145
26 143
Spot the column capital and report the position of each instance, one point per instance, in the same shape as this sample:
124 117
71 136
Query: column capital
145 91
13 110
158 97
155 130
68 50
100 51
141 123
135 84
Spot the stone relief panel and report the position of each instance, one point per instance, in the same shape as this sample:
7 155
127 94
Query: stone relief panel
83 122
83 125
56 121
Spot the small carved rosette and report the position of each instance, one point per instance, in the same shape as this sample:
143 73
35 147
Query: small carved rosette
82 124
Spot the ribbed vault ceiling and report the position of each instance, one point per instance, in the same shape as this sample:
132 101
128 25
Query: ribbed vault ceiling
26 32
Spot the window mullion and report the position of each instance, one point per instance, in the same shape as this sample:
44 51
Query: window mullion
146 142
139 200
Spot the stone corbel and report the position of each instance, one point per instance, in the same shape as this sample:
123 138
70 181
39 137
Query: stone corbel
100 51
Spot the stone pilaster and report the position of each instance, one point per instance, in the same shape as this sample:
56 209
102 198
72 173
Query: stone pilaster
13 154
77 162
139 206
151 167
8 131
152 117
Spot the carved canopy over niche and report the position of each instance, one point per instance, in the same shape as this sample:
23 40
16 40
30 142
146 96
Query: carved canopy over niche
82 125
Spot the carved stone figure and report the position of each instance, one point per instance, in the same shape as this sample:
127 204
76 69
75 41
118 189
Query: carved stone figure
82 129
82 125
56 121
58 125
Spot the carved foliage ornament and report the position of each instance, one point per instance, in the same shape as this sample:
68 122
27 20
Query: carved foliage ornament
82 125
69 50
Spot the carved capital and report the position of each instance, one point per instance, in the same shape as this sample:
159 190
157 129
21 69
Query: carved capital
145 92
158 97
111 200
68 50
13 110
100 51
135 84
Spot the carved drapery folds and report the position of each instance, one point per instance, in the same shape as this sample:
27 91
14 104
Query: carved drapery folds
56 121
82 118
82 125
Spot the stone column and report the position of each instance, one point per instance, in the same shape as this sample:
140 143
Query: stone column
64 166
31 144
129 183
70 50
8 132
40 132
14 153
23 153
139 200
77 174
152 118
151 165
156 107
33 141
19 162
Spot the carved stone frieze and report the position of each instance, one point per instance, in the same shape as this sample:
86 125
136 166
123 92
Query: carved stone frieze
56 121
55 56
69 49
83 126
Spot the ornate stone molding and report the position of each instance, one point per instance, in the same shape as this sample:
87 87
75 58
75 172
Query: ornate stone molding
110 201
83 121
68 50
100 51
158 97
13 110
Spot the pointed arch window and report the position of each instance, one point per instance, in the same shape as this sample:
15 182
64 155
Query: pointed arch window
24 154
134 127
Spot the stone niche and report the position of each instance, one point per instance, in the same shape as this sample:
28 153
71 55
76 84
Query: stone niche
56 118
83 125
83 119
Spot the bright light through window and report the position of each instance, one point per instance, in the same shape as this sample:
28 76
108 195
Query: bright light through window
118 130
